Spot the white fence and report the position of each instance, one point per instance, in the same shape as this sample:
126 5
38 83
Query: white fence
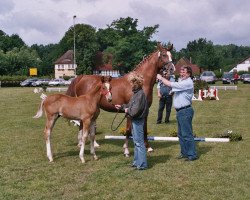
49 89
224 87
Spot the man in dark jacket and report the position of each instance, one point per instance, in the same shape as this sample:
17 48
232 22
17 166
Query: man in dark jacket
165 100
137 110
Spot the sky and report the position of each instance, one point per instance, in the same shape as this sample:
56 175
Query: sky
180 21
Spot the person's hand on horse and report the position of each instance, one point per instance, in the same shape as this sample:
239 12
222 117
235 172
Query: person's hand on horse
118 106
159 77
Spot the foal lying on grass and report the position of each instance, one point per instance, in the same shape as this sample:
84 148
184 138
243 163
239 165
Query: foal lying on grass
84 108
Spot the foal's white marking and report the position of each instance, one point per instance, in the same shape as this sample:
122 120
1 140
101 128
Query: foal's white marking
49 154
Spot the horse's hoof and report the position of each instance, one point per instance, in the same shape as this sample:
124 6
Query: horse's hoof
126 155
150 149
95 158
83 161
96 145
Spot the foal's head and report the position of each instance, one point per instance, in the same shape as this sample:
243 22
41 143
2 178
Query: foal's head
165 59
106 87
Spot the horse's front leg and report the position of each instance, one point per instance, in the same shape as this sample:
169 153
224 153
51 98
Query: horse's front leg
147 145
85 131
92 140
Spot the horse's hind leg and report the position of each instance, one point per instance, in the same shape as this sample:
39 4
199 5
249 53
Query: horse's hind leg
128 133
147 145
92 140
51 119
93 128
80 135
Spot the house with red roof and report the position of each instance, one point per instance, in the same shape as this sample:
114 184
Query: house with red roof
104 69
197 70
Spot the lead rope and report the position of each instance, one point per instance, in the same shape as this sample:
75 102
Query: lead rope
114 120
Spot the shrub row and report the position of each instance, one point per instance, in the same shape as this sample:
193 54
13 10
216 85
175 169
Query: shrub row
10 83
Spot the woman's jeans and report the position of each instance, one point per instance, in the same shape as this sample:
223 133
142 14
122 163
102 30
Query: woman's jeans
185 133
140 153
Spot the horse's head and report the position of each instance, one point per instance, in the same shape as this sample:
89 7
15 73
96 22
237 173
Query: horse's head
106 87
165 59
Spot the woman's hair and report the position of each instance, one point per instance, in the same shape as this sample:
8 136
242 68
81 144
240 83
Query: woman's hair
136 79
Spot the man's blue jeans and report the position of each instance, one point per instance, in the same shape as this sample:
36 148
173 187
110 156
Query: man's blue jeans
185 133
140 153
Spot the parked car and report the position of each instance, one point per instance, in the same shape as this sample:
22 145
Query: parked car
28 82
57 82
242 77
40 82
246 78
208 76
227 78
196 78
68 82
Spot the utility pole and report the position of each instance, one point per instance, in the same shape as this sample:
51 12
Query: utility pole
74 51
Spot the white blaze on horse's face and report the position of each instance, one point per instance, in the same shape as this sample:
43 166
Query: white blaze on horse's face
108 95
169 56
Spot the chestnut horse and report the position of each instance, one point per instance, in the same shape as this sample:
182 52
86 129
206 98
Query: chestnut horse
84 108
121 88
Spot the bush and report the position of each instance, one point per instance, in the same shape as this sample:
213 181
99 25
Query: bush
200 85
13 78
231 135
173 133
10 83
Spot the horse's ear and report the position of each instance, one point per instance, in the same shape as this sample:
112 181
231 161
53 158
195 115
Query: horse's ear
159 47
170 47
109 78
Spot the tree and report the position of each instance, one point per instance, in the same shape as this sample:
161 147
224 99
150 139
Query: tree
86 46
128 44
203 54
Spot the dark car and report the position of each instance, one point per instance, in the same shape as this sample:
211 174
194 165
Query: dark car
227 78
28 82
246 78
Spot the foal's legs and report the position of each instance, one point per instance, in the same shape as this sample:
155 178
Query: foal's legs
85 130
93 128
51 119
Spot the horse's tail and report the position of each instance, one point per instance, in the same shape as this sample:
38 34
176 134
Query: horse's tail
40 109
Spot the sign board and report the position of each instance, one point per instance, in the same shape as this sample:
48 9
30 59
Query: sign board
33 71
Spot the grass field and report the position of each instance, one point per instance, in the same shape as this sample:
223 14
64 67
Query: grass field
222 171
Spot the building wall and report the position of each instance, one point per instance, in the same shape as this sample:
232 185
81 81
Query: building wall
113 73
65 70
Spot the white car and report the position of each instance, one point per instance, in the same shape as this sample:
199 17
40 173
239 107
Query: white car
57 82
41 82
208 76
68 82
246 78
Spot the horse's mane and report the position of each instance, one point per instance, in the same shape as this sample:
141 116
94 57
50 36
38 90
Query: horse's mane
144 60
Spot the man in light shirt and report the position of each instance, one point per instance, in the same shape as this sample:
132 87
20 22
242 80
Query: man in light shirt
183 93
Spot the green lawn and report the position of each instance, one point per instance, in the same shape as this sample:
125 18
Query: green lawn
222 171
